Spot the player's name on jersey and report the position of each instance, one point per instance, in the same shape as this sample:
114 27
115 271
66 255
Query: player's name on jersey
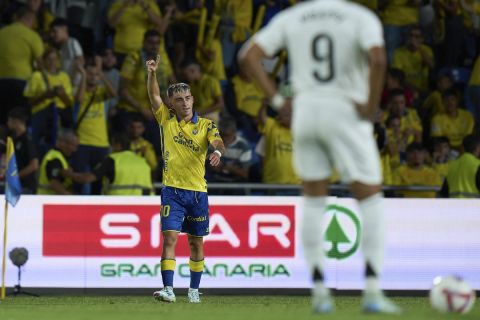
318 15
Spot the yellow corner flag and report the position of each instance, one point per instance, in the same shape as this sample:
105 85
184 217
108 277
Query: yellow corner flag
13 190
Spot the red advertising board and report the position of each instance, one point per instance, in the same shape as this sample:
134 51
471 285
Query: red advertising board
134 231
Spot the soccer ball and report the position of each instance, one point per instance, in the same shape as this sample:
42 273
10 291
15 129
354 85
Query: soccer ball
451 295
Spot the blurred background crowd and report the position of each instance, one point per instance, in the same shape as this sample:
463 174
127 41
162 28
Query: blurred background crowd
73 80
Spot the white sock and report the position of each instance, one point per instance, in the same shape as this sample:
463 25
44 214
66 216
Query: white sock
373 236
320 289
312 239
372 284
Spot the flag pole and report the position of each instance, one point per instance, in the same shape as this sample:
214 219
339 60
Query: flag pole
2 296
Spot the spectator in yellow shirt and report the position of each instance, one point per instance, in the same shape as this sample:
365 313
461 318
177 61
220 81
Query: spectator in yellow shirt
131 19
235 27
397 17
138 144
442 156
455 123
396 143
463 178
49 92
206 90
248 95
433 104
20 48
410 124
91 110
244 100
416 173
278 159
395 135
211 60
415 60
43 16
133 87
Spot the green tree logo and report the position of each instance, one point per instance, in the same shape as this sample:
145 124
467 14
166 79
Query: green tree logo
336 235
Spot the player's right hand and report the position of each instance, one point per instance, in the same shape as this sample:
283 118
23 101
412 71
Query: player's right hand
365 112
153 64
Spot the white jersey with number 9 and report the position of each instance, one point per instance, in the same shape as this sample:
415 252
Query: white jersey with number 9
327 43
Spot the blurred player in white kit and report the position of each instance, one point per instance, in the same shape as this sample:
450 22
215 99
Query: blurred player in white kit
337 64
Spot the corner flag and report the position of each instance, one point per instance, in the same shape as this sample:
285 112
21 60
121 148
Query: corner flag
13 188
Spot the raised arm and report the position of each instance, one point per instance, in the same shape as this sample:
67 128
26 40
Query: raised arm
80 95
169 10
111 92
250 58
114 16
152 84
153 17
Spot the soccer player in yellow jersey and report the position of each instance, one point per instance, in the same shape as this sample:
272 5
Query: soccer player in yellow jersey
185 141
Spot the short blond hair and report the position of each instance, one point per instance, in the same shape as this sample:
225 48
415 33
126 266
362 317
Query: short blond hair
177 88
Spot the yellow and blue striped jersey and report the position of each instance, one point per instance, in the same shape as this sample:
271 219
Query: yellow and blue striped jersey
184 149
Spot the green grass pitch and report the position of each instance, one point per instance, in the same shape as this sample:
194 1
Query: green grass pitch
211 308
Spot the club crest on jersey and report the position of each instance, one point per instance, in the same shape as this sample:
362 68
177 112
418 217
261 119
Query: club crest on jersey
195 131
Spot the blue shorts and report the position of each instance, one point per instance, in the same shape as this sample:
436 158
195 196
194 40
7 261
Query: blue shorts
184 211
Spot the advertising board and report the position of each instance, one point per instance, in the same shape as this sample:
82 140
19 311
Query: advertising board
115 242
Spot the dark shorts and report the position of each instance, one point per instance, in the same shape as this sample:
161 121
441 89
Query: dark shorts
184 211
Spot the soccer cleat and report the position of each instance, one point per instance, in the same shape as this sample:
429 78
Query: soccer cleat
376 302
322 301
193 295
166 294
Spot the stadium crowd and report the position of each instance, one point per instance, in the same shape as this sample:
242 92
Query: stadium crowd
73 90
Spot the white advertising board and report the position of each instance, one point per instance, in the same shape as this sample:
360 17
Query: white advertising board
115 242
